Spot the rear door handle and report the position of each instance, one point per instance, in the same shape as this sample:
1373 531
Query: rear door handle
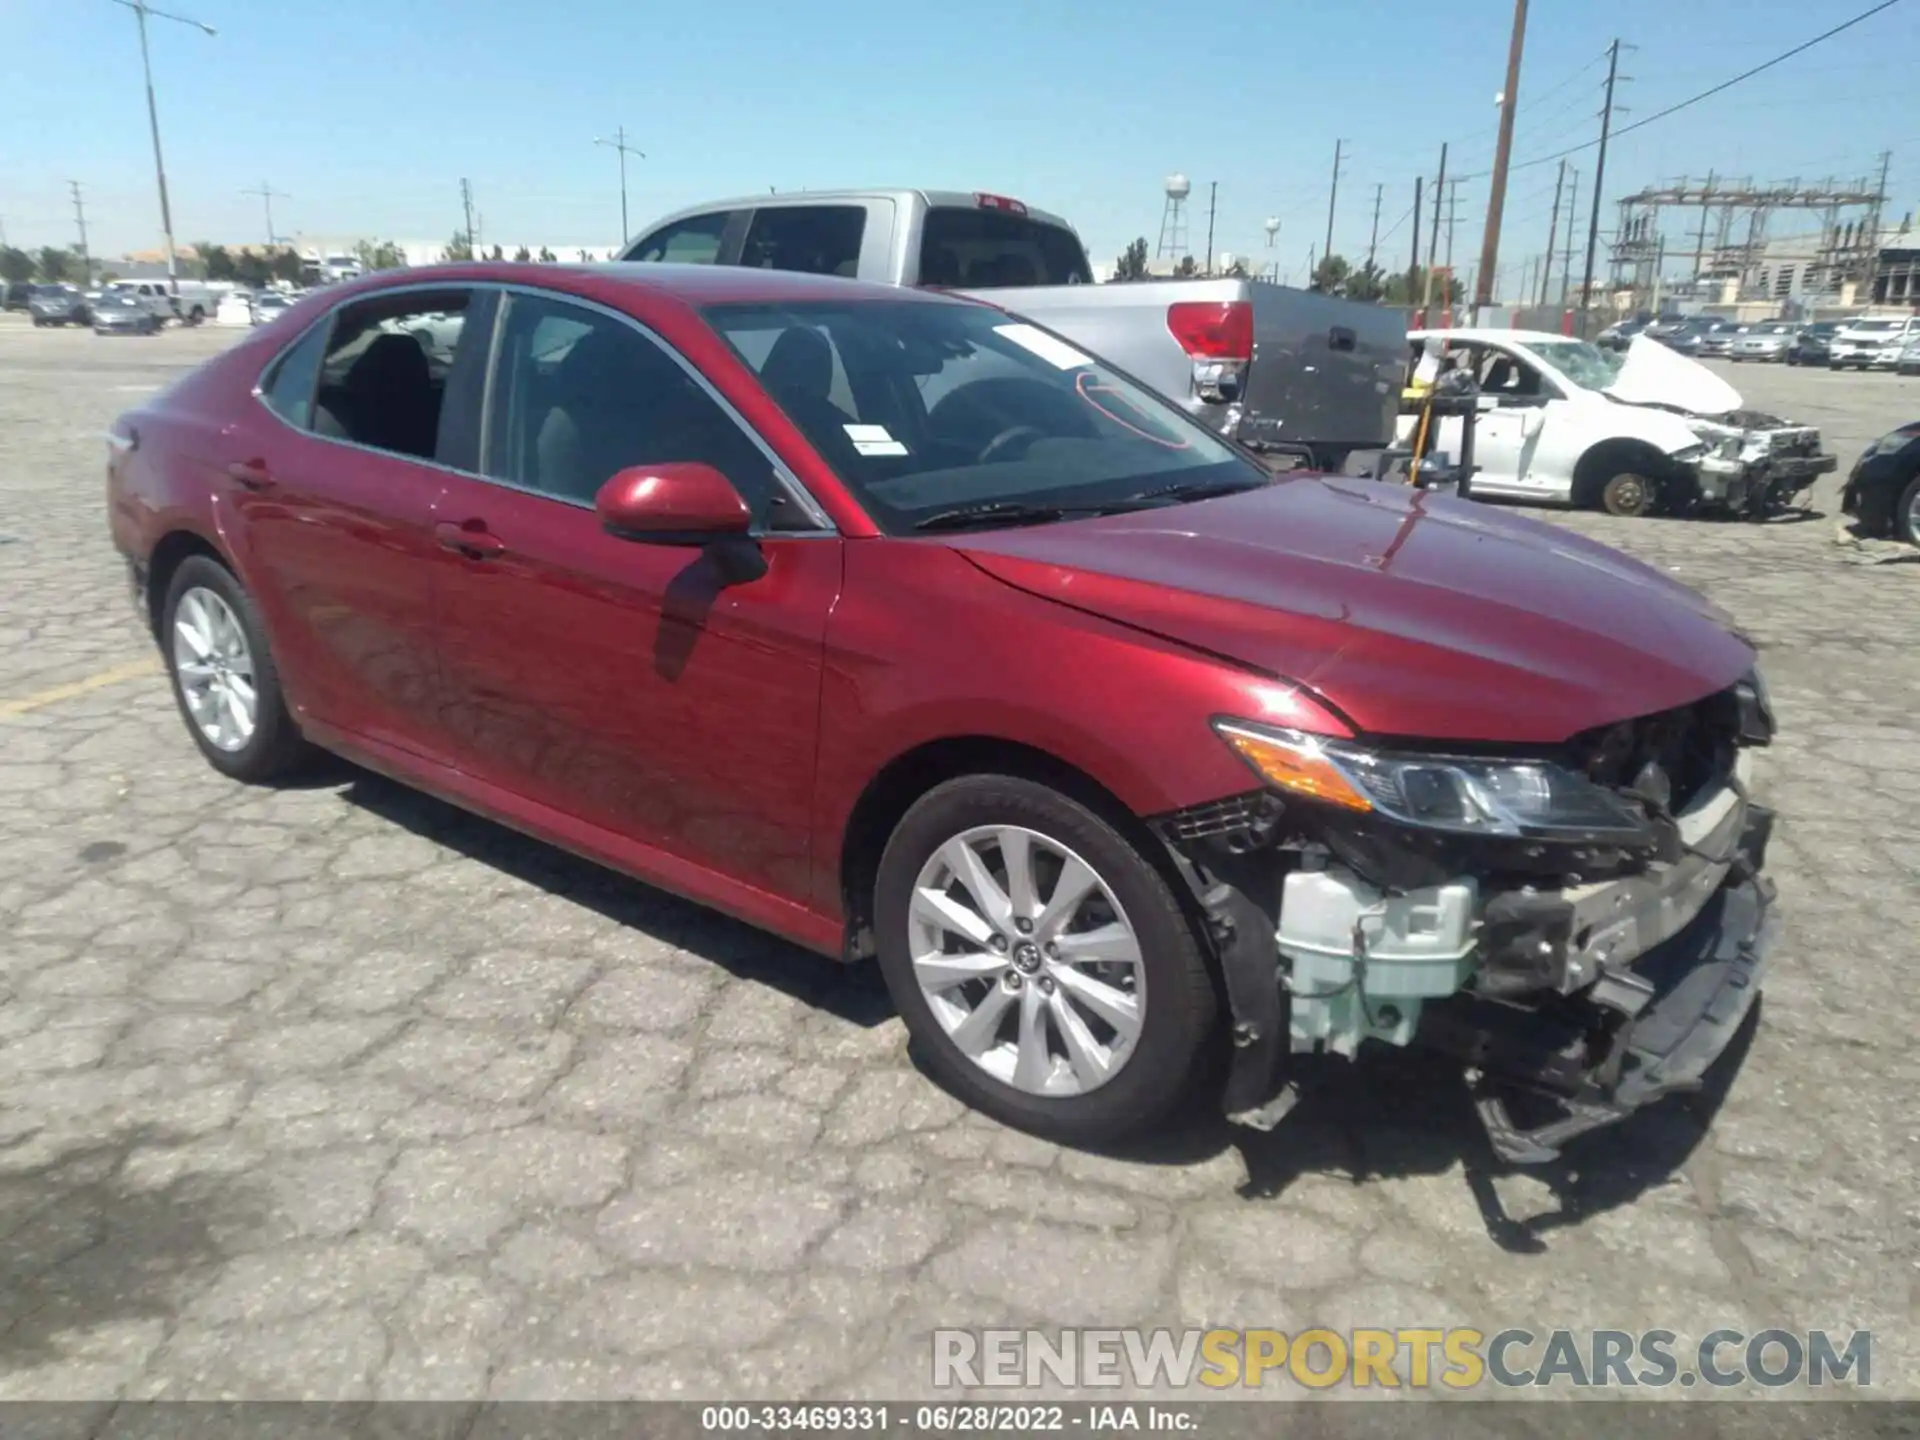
473 539
251 473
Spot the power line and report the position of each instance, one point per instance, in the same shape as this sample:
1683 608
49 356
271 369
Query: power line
1785 55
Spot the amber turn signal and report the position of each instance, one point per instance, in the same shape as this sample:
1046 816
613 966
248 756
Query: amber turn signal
1297 769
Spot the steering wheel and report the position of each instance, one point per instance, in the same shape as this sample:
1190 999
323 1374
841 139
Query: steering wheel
1008 437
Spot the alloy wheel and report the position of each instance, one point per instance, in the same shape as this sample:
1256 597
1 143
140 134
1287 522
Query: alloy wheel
215 668
1027 960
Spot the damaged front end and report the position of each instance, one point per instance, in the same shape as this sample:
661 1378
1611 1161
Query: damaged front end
1755 465
1584 930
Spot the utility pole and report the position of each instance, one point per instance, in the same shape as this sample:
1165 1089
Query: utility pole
1553 234
1433 240
1502 153
1453 205
1573 208
1599 177
619 143
141 10
1414 268
1700 240
1333 193
80 215
1213 196
1373 240
268 195
466 204
1873 226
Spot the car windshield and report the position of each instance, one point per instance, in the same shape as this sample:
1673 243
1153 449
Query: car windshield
950 415
1587 366
1776 328
1823 329
1876 327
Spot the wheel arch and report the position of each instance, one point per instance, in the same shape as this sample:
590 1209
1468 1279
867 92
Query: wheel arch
169 554
903 780
1606 458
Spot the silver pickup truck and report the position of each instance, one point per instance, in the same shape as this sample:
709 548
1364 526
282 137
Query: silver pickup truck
1283 371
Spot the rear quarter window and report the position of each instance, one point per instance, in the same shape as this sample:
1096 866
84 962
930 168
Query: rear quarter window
992 249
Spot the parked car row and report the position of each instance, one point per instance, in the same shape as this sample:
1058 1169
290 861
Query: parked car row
1866 342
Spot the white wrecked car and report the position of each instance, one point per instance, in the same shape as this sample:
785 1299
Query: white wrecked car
1563 422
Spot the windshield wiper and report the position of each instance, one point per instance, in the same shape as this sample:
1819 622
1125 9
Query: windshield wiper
1007 512
1196 490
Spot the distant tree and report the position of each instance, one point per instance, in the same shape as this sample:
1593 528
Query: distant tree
252 270
286 264
547 257
585 258
107 277
1409 288
16 265
1369 282
217 261
55 264
1330 275
1132 264
1188 268
522 255
497 254
458 248
379 255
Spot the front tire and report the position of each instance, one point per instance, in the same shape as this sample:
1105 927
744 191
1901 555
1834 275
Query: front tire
223 674
1043 964
1629 494
1906 513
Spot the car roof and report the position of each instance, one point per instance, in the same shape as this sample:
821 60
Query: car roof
1493 336
691 284
943 199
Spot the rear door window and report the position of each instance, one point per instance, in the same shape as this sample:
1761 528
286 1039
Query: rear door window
813 239
995 249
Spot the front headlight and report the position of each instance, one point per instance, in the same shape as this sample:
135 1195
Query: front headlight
1463 795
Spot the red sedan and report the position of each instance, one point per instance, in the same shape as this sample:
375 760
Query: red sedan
902 628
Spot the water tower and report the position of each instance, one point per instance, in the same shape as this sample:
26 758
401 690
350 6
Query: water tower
1173 219
1273 230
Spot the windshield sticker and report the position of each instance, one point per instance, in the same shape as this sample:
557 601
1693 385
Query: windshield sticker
873 440
1056 353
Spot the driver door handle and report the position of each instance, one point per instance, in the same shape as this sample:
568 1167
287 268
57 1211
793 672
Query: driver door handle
472 539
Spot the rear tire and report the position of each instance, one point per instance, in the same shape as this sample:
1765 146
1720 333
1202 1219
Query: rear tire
224 641
1089 1082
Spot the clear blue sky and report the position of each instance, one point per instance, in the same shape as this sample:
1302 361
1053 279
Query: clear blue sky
368 112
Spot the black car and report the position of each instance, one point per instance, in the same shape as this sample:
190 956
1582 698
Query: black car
1812 345
1883 492
16 295
1618 337
59 305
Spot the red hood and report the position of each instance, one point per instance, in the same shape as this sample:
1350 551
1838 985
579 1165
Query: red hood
1415 615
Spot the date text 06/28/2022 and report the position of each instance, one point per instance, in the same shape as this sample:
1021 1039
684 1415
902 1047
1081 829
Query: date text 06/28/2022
1453 1359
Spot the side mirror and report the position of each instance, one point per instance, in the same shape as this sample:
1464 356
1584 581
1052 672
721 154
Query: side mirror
679 503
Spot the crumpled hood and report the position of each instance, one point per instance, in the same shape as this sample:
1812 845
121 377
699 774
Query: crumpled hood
1413 614
1654 375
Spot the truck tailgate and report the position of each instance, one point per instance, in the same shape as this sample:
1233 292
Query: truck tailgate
1325 373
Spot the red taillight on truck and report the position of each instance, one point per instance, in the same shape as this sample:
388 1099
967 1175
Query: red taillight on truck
998 202
1213 329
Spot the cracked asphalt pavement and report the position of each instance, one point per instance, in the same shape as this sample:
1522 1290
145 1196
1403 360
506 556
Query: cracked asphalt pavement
334 1092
